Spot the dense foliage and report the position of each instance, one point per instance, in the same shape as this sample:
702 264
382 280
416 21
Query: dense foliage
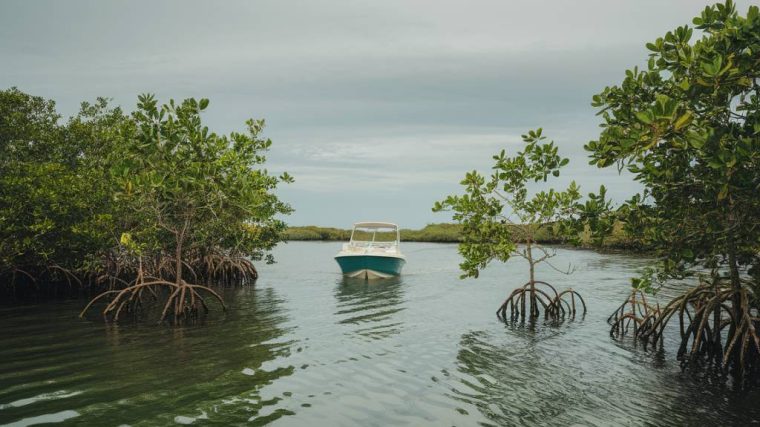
55 206
221 201
688 128
93 199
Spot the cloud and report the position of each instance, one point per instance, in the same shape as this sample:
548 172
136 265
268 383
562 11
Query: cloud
373 106
388 163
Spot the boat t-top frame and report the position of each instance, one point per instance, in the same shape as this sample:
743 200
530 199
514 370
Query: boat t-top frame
374 227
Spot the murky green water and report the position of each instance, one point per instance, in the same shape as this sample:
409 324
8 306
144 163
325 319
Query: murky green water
305 347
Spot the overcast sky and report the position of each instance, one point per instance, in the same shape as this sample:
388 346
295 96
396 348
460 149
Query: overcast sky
376 108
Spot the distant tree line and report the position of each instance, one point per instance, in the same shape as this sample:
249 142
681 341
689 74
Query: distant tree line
452 233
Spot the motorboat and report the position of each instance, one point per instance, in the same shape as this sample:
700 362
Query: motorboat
372 252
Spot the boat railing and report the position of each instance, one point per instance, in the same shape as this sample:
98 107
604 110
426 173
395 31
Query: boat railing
355 244
363 245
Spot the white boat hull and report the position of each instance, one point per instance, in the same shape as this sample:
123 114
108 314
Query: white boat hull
368 274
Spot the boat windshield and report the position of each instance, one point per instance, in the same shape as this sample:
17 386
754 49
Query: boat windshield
376 235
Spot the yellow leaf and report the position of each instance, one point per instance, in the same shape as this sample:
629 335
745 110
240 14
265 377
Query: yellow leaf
723 192
126 238
683 120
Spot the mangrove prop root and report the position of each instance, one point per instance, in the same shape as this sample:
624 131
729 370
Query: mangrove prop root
184 301
533 297
226 270
635 312
67 274
717 324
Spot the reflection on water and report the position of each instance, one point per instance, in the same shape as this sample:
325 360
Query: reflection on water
519 381
369 306
530 382
125 374
306 347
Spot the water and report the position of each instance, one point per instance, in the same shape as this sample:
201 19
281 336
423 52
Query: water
305 347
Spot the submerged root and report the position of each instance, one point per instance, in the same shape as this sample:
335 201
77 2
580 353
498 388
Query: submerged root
180 299
533 297
635 312
51 278
184 301
226 270
54 271
717 325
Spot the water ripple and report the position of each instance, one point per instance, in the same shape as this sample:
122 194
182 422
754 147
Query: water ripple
306 347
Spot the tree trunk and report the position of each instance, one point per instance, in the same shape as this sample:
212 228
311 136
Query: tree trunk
178 267
180 239
717 345
180 303
733 269
533 302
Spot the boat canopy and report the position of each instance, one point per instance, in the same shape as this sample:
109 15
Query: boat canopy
375 225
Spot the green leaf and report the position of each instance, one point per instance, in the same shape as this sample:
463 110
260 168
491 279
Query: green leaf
644 117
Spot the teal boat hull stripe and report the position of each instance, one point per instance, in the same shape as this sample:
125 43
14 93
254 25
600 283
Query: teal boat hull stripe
386 265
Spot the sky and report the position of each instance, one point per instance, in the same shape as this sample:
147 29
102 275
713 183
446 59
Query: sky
377 108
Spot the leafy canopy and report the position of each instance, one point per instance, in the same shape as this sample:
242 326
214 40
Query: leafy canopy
190 189
688 128
499 211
